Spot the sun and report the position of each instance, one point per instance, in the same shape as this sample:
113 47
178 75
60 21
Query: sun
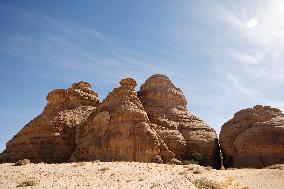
252 23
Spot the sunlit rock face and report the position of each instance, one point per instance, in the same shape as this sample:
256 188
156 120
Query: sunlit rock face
119 131
183 133
152 125
50 136
254 137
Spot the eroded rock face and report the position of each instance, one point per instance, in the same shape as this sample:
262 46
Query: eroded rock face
119 130
151 126
183 133
254 137
50 136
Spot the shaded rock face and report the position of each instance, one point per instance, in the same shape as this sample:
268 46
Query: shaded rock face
119 130
254 137
50 136
183 133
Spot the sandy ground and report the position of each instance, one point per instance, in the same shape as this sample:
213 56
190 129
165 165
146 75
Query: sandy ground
257 178
132 175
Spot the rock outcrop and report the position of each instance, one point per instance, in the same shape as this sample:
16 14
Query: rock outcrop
254 137
152 125
119 130
50 136
183 133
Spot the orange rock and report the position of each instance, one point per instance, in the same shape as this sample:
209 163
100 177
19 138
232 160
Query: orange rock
254 137
151 126
119 130
183 133
50 136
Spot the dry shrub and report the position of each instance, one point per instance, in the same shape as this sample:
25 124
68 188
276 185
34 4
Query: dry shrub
22 162
80 164
228 182
231 168
204 183
29 182
175 162
104 169
184 172
276 166
158 159
188 162
208 168
197 171
154 185
196 159
191 167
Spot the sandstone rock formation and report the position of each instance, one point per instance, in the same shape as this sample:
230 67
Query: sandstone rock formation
183 133
254 137
119 131
152 125
50 136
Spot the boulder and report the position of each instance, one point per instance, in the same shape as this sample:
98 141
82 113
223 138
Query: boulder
254 137
119 130
183 133
50 136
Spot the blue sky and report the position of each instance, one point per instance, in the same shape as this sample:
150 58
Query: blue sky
224 55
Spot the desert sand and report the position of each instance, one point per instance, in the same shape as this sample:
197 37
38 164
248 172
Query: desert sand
134 175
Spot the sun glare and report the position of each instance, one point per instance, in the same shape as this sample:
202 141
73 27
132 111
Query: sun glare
252 23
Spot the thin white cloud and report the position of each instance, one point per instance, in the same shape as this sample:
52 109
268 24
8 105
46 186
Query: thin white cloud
243 58
244 41
72 47
240 87
238 66
265 34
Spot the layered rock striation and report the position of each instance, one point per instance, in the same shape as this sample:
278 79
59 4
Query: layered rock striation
50 137
254 137
119 130
183 133
152 125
